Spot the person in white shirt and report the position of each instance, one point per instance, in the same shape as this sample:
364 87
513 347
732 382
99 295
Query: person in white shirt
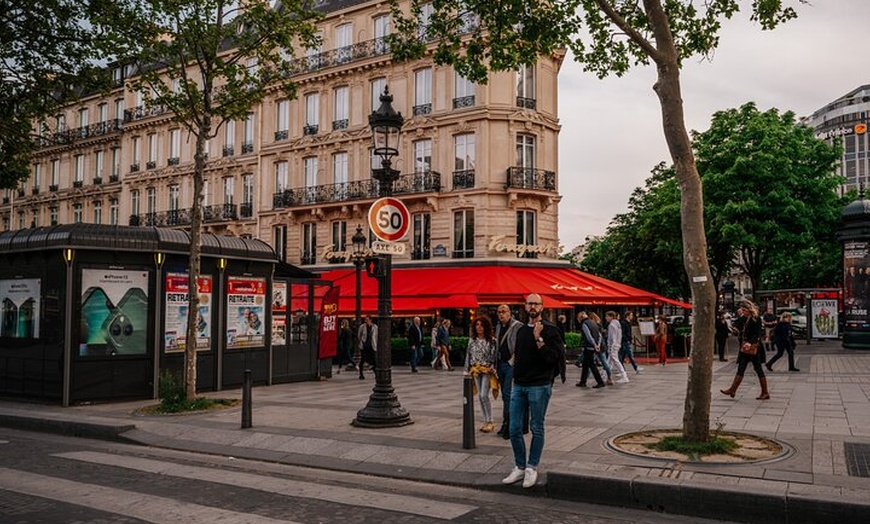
614 343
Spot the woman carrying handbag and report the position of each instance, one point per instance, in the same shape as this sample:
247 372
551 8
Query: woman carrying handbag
750 333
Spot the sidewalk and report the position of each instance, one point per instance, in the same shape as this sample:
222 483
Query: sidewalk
821 413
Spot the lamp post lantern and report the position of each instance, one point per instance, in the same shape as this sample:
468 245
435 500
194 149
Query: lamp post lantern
358 256
383 409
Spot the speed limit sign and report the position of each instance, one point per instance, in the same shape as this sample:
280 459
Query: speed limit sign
389 219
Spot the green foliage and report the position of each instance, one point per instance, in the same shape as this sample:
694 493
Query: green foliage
714 445
573 340
173 398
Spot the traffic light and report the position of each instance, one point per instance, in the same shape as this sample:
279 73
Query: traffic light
374 267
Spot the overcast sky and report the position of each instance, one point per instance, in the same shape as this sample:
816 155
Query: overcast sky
611 129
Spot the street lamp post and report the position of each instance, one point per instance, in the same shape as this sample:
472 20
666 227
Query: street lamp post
383 409
358 256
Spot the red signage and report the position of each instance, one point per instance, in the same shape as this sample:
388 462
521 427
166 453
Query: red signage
329 324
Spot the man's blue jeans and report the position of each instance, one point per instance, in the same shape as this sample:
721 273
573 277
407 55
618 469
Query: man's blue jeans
506 379
535 399
416 356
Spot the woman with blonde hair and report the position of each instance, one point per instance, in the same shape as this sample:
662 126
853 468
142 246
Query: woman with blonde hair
749 333
661 339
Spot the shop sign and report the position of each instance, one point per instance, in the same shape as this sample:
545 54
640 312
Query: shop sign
499 244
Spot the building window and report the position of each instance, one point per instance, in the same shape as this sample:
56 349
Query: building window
312 114
526 229
100 166
279 242
283 116
98 212
137 144
174 147
381 31
174 200
422 156
22 220
344 43
426 11
463 92
119 110
423 92
83 120
420 249
463 233
113 211
463 161
339 174
229 186
310 167
340 119
526 87
79 173
339 237
378 85
36 221
152 200
206 193
279 200
309 243
37 177
229 138
152 151
104 112
55 173
134 202
116 164
77 213
52 216
525 162
247 209
248 138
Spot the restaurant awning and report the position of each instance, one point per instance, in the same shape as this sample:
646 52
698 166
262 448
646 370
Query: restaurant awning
425 289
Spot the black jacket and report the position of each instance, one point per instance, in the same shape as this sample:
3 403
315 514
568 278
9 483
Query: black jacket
535 366
415 336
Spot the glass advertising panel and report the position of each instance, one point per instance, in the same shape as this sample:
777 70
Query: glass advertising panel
855 285
279 313
19 300
175 332
114 312
246 311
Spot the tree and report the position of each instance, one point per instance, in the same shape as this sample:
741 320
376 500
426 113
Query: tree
208 62
770 192
50 53
608 37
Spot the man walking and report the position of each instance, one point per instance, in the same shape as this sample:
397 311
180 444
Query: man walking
535 363
415 343
368 339
506 343
627 339
591 346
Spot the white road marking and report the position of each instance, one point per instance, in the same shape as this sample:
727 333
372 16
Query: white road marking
293 488
150 508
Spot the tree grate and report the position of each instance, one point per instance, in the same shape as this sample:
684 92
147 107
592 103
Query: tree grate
858 459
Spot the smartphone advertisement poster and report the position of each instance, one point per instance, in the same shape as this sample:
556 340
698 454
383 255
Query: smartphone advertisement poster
114 312
246 312
20 302
175 331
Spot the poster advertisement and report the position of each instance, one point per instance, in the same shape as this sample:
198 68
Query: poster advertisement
20 302
856 285
279 313
175 331
246 312
329 323
114 312
825 318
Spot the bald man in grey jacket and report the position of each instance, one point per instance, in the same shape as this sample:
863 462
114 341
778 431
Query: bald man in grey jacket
506 342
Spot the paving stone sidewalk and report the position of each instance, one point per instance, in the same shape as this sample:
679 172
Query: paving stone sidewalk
822 414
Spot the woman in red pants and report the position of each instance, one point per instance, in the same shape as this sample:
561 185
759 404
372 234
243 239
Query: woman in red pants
661 338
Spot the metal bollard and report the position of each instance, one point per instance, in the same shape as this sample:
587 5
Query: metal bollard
468 412
246 400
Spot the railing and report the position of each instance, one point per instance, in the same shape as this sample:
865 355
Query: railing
134 167
98 180
340 124
310 129
184 217
173 161
530 178
35 191
151 164
219 213
78 183
52 188
68 136
281 135
308 258
423 109
140 112
526 103
463 102
246 209
463 253
5 200
247 147
421 254
463 179
113 179
229 151
356 190
21 192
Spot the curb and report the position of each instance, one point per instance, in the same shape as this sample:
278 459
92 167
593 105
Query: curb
69 428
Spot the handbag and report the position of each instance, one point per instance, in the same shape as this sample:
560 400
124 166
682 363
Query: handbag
749 349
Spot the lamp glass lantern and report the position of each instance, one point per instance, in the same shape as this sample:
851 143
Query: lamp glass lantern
386 124
358 240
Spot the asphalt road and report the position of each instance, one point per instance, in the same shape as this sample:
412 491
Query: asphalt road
52 479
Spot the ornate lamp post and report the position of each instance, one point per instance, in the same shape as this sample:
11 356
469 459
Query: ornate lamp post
383 409
358 257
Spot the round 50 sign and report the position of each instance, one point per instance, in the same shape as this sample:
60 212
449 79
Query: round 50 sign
389 219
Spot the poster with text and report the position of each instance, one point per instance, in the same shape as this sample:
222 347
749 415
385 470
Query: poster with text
279 313
856 285
20 303
825 318
175 331
246 312
114 312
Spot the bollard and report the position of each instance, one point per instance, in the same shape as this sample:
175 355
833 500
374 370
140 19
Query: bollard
468 412
246 400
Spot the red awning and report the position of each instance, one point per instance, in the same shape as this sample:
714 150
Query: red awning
425 289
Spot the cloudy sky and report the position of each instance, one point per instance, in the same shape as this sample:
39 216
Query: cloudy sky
611 129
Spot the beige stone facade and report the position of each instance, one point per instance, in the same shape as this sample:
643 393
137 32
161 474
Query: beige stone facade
479 163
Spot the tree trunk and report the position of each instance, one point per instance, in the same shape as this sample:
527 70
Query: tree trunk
696 414
195 256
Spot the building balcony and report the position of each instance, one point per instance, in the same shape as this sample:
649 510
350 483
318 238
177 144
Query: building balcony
423 109
530 178
113 179
338 125
20 191
69 136
140 112
134 167
220 213
229 151
463 179
357 190
35 190
463 101
310 129
281 135
184 217
527 103
421 254
246 210
52 188
308 258
173 161
98 180
78 183
463 253
247 147
151 164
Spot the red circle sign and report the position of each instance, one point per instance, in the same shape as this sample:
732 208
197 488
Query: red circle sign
389 219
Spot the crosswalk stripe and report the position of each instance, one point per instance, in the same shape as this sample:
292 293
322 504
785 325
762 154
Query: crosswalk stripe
293 488
150 508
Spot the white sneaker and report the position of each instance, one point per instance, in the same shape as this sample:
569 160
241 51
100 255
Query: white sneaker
530 478
638 370
516 475
622 381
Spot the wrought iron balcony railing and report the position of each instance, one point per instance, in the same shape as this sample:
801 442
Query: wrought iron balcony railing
463 253
308 258
527 103
35 190
356 190
134 167
423 109
113 179
151 164
68 136
530 178
310 129
463 102
52 188
229 151
247 147
140 112
184 217
173 161
421 254
21 192
339 124
246 209
463 179
78 183
281 135
98 180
